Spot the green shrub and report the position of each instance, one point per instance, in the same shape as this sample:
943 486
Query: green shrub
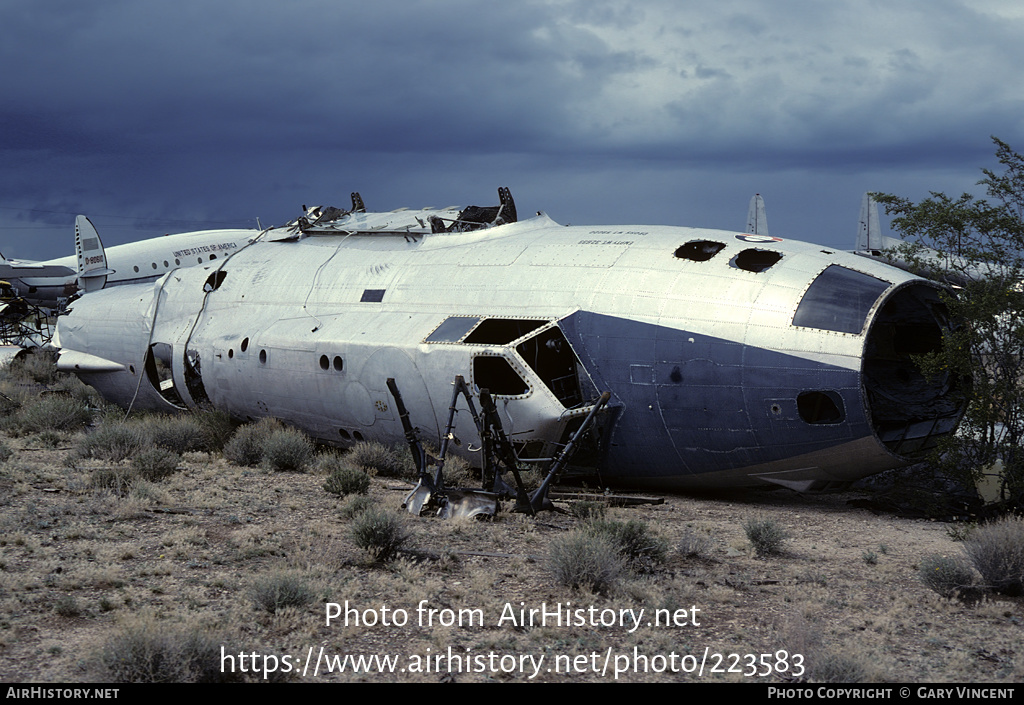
246 445
950 577
345 480
379 532
641 549
997 552
287 450
387 461
766 536
583 559
276 591
155 464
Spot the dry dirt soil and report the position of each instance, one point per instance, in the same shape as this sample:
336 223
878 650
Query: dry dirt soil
87 576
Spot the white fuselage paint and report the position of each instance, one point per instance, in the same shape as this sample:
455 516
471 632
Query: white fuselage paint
309 330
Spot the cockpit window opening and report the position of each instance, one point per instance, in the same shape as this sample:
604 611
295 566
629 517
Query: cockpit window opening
452 329
839 299
502 331
496 374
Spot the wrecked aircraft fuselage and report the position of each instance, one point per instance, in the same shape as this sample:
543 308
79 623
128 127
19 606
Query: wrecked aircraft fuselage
731 359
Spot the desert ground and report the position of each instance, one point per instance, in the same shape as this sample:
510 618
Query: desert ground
106 575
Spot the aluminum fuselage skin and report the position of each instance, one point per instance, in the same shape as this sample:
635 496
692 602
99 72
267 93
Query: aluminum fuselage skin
708 374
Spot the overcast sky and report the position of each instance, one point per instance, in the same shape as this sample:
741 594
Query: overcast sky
172 116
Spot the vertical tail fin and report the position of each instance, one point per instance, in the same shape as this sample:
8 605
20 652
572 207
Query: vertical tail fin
92 260
757 218
869 232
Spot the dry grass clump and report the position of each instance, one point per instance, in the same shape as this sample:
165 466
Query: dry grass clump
587 560
694 544
836 667
119 479
766 536
588 510
997 552
380 533
146 651
356 506
277 591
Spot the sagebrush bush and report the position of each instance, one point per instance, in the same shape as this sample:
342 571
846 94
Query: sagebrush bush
146 651
996 550
766 536
276 591
53 412
155 464
346 480
379 532
951 577
114 441
246 445
67 606
39 366
287 450
636 543
583 559
185 433
387 461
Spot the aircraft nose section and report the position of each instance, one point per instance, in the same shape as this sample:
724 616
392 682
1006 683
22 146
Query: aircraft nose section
909 412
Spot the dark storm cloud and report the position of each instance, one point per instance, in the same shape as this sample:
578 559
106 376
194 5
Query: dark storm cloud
218 112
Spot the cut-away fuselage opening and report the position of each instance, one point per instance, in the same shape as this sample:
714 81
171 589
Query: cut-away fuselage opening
909 411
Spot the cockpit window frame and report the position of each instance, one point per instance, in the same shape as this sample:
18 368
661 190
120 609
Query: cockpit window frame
839 300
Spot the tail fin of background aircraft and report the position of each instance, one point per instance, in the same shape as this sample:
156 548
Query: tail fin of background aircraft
92 260
869 232
757 218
